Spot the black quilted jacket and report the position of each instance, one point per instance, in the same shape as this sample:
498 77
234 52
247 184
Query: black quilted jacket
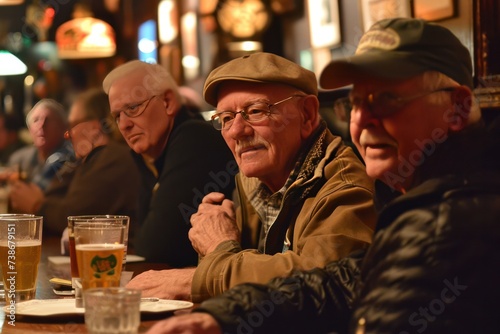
433 267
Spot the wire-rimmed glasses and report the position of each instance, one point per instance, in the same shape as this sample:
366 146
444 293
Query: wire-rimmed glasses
385 103
132 110
252 113
67 134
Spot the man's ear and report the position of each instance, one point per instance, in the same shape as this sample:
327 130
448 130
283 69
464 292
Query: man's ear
462 106
171 102
310 115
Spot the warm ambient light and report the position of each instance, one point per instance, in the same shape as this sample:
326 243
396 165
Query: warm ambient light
10 2
85 38
167 21
10 64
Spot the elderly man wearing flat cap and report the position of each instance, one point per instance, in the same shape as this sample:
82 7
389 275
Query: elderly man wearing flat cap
304 198
433 263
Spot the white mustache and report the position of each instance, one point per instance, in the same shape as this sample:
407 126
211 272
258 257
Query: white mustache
244 146
370 137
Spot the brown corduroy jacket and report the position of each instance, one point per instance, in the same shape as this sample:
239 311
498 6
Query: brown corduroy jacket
325 216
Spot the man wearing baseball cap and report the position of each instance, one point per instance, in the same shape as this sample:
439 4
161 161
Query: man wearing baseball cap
432 265
304 197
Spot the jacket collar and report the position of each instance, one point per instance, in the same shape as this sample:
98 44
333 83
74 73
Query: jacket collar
319 151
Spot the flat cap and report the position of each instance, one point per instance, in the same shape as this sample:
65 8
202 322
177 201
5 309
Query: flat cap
260 67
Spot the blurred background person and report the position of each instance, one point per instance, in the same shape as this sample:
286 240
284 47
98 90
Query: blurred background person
39 163
104 179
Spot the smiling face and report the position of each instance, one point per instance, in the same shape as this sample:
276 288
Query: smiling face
267 150
395 145
147 133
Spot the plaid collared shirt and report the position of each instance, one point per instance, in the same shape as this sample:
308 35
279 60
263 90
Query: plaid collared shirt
268 205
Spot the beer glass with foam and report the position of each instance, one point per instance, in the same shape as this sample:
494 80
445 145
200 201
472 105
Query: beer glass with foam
100 249
20 252
124 220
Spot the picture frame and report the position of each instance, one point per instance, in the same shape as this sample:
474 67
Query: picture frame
315 60
434 10
324 23
376 10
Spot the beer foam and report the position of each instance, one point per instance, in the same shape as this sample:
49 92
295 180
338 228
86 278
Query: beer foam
99 247
21 243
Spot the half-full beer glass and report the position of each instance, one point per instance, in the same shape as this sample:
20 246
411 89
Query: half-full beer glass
124 220
100 248
20 251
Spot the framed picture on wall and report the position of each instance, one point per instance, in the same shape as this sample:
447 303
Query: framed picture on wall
376 10
434 10
324 23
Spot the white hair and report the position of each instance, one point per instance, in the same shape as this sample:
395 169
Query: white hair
434 80
54 106
156 78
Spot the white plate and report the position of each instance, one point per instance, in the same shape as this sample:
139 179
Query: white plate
53 307
59 260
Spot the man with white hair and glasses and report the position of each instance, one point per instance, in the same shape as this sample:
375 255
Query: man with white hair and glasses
180 156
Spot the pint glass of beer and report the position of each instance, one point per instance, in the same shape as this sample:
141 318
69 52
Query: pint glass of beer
20 252
100 248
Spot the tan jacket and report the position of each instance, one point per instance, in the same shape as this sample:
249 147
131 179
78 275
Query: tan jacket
325 217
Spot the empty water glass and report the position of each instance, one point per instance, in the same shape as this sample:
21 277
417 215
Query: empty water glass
112 310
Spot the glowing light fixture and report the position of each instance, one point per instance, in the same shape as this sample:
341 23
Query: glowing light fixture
10 2
85 37
10 64
167 21
190 59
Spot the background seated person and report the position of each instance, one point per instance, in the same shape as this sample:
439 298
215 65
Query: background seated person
104 180
39 163
180 156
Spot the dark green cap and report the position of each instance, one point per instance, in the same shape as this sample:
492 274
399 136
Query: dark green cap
260 67
402 48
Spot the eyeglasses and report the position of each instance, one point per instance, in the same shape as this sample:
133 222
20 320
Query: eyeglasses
132 110
385 103
252 113
67 134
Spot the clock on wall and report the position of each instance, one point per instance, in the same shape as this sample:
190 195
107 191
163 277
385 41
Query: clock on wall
243 18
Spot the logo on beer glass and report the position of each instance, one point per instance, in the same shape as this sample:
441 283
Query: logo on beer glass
104 266
99 264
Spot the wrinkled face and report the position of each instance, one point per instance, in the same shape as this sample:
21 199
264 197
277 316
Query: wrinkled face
268 149
393 146
148 132
46 129
82 132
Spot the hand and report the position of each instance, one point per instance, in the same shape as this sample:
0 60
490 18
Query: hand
7 174
192 323
165 284
213 223
25 197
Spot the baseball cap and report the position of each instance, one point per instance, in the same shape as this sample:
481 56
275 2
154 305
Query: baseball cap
401 48
260 67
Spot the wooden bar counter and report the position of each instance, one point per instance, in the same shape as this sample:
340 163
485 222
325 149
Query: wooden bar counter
67 324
